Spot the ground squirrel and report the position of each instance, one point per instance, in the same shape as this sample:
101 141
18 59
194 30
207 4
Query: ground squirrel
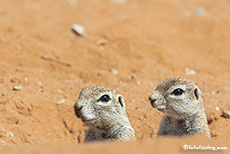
103 110
180 100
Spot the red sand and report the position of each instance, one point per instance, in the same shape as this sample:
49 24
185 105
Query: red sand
147 41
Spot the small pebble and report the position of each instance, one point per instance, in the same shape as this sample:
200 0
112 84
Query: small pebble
213 92
226 114
79 30
17 88
217 108
10 134
61 102
12 80
114 71
138 83
214 133
189 71
102 42
18 48
26 79
133 101
45 57
40 83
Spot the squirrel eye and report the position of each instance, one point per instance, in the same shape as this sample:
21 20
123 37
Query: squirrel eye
105 98
177 92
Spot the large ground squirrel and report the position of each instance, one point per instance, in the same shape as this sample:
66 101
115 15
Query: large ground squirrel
180 100
103 110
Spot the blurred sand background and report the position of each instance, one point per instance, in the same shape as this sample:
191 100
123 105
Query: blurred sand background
131 46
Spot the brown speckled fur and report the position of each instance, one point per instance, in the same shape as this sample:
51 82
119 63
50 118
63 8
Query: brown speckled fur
106 120
184 114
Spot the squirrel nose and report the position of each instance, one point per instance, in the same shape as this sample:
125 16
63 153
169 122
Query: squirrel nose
152 98
77 106
152 101
77 109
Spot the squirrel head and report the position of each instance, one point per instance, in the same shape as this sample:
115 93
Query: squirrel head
177 97
99 107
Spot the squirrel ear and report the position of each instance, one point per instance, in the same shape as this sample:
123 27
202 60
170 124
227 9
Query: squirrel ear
121 101
197 93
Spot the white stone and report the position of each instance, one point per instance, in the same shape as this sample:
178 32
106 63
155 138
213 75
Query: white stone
189 71
114 71
79 29
226 114
61 102
25 79
10 134
40 83
17 88
138 82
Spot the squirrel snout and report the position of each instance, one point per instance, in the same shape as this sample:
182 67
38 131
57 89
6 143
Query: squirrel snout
152 98
152 101
77 109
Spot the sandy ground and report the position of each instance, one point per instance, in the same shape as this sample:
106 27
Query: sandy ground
145 41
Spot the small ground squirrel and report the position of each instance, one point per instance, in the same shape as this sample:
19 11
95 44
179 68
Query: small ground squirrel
103 110
180 100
